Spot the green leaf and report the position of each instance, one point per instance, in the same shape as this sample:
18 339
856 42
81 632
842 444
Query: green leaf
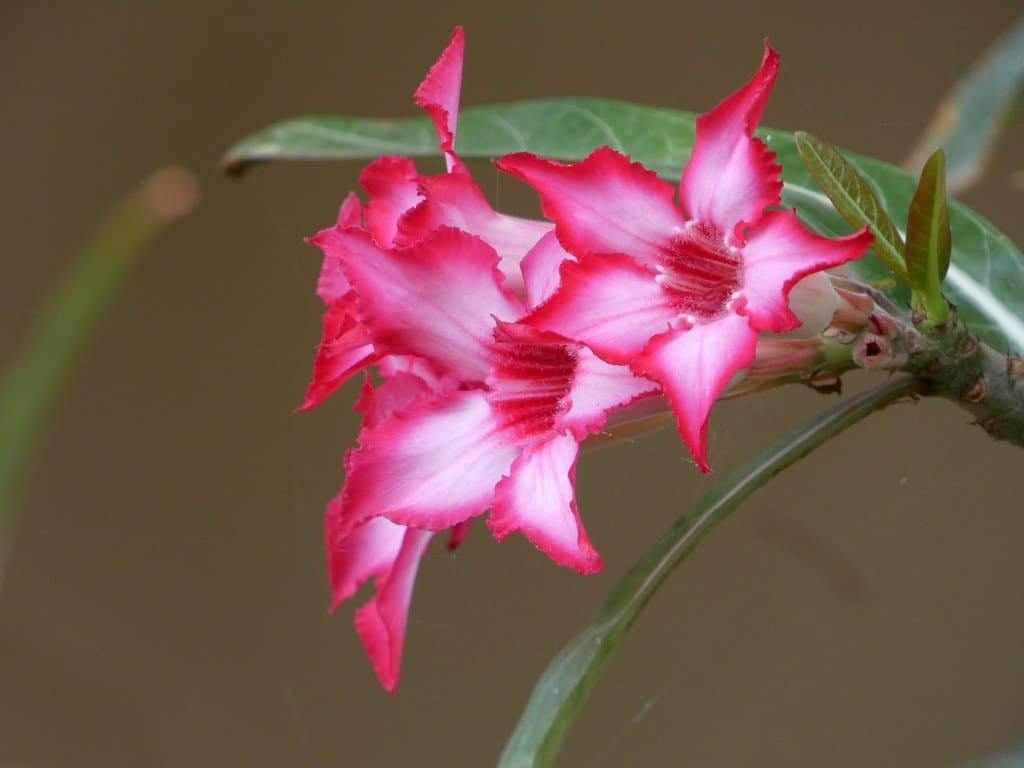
984 278
31 381
929 240
1014 758
970 119
853 198
556 128
563 688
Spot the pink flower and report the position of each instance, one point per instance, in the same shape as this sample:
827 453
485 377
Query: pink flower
475 412
506 436
403 207
501 343
454 199
680 293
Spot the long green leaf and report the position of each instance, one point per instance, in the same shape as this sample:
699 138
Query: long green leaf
853 198
556 128
929 241
969 120
31 381
984 278
565 685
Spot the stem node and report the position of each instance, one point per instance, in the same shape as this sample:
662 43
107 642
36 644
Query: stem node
1014 367
976 392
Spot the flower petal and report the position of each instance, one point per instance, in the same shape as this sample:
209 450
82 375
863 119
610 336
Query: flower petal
431 466
436 299
331 285
602 204
400 365
540 269
610 303
368 550
351 212
344 349
438 94
694 366
381 622
780 252
732 177
537 499
392 184
397 393
599 387
455 200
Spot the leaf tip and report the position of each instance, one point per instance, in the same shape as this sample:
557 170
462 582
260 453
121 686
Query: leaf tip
234 164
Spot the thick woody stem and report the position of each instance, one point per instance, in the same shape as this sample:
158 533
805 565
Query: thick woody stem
956 365
868 331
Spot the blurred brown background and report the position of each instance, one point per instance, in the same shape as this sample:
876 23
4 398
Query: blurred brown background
165 604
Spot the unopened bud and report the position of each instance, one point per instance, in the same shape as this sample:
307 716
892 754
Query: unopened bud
853 311
814 301
871 351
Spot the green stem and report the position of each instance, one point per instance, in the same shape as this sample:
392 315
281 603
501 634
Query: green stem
565 685
30 383
954 364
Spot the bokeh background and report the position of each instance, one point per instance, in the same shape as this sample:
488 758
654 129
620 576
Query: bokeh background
165 604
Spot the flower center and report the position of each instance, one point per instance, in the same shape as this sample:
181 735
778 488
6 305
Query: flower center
530 383
699 272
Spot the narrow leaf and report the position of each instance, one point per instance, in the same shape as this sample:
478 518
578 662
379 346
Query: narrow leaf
970 119
563 688
929 240
853 198
983 280
31 381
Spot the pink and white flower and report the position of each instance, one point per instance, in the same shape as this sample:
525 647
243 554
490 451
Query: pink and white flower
403 207
506 438
680 292
474 412
499 344
454 199
491 418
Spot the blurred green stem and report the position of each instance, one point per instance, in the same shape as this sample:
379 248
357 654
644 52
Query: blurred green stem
31 381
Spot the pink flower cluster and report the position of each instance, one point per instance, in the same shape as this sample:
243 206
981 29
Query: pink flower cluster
499 344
